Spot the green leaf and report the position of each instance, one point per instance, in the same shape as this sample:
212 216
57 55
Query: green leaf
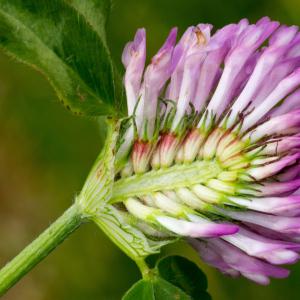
64 40
142 290
184 274
155 289
164 290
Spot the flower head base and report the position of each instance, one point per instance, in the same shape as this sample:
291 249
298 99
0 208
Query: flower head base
214 144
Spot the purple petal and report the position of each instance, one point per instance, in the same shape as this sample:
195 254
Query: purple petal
156 75
289 173
231 260
133 58
193 229
273 251
190 68
137 45
281 224
274 77
286 86
245 46
181 52
188 85
283 35
279 188
281 145
290 103
270 169
160 69
208 77
267 61
294 50
209 254
285 206
277 125
210 69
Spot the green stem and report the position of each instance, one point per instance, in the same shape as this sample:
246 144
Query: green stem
144 268
39 248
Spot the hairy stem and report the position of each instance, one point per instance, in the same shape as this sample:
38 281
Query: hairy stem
39 248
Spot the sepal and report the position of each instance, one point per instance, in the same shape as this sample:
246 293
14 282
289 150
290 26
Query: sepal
128 238
98 187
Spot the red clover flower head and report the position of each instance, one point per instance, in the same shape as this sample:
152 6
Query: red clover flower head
215 131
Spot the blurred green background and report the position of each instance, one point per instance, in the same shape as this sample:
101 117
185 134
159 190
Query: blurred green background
45 154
